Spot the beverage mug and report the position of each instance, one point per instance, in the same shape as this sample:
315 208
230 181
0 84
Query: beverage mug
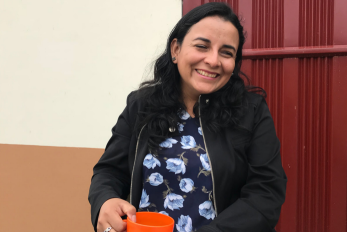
150 222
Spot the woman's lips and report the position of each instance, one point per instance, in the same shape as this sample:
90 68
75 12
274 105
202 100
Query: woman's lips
206 74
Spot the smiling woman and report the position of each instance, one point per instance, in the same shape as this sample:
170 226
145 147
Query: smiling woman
206 58
194 143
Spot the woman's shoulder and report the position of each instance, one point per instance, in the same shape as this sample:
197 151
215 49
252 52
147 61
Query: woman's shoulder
137 98
255 103
254 99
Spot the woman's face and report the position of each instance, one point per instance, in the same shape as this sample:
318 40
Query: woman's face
206 57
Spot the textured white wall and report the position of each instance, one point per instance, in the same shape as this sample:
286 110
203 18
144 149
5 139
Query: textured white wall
66 66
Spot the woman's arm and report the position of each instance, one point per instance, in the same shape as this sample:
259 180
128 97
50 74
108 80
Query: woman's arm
111 175
259 205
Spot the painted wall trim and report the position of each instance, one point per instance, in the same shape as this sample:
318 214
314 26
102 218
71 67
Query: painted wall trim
298 52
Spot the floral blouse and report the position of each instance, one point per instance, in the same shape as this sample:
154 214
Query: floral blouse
177 181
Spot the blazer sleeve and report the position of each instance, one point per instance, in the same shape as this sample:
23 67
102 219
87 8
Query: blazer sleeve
259 205
111 175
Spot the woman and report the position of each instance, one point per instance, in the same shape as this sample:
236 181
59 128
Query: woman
194 143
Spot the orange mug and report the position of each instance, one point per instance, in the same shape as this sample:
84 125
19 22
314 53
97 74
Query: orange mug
150 222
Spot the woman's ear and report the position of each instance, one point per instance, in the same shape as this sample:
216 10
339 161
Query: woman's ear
175 49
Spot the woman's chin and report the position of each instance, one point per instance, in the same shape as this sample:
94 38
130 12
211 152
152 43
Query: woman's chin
206 91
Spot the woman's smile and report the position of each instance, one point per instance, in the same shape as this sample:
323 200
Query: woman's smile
206 74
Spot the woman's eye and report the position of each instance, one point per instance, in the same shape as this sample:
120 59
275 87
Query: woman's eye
229 54
200 46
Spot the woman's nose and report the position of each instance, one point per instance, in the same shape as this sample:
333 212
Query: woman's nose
212 59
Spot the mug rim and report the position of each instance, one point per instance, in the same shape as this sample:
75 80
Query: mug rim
171 223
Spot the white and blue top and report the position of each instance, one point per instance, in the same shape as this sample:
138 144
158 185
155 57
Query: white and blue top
177 181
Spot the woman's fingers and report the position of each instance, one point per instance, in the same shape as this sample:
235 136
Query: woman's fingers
129 210
111 230
111 212
117 224
110 215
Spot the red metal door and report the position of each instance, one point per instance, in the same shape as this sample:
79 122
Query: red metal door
297 51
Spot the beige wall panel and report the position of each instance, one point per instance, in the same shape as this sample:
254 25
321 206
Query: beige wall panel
45 188
66 66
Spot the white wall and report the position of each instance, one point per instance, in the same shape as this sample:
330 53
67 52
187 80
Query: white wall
66 66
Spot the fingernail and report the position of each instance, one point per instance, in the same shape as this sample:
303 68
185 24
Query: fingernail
133 218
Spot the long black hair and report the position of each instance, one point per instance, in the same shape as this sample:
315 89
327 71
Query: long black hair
163 95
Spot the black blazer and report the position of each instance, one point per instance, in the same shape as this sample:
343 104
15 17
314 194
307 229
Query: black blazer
248 179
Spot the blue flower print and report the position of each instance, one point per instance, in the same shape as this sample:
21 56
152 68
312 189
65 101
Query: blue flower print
184 115
163 212
168 143
186 185
155 179
180 127
205 162
188 142
144 199
206 210
175 165
199 130
184 224
150 161
173 201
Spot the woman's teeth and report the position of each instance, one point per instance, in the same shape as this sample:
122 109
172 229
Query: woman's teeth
206 74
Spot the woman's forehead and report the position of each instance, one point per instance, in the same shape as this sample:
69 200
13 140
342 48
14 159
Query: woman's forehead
215 29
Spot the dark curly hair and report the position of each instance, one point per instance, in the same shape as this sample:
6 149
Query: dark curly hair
163 95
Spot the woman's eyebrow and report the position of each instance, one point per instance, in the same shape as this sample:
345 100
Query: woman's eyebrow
203 39
208 41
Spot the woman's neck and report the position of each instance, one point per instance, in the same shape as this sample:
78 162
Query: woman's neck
189 102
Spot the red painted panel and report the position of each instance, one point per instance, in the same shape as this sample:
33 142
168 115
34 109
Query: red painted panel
189 5
297 51
313 136
289 143
338 150
291 23
246 15
340 32
316 27
267 30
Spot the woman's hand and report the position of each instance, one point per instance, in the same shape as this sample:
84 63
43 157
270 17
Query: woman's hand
111 212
